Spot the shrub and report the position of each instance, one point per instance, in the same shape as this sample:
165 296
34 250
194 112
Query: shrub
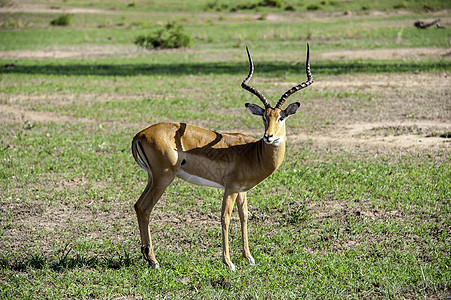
217 6
171 35
271 3
262 17
243 6
430 7
400 5
63 20
313 7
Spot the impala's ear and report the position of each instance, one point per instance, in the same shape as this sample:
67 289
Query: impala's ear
291 109
255 109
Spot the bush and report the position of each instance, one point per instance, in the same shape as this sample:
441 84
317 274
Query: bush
400 5
313 7
250 6
63 20
271 3
170 35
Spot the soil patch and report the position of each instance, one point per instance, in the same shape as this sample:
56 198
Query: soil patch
404 135
81 51
50 9
398 53
98 51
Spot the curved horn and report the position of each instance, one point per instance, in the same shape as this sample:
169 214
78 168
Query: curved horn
300 86
249 88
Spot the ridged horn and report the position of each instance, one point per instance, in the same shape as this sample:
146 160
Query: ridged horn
299 86
249 88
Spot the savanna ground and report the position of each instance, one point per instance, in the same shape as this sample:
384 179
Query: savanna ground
359 209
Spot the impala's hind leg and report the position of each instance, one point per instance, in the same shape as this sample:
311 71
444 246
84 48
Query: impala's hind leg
143 207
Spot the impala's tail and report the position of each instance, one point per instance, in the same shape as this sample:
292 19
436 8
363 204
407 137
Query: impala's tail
140 156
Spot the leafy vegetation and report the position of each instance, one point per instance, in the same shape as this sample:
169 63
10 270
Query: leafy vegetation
63 20
169 36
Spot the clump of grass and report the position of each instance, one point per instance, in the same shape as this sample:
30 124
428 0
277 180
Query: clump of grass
217 6
171 35
400 5
262 17
139 24
63 20
313 7
13 23
249 6
245 5
430 7
271 3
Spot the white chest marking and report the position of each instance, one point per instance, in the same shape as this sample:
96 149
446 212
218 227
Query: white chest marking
197 180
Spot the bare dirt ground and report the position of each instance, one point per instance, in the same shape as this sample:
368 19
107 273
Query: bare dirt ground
400 53
20 7
83 51
94 51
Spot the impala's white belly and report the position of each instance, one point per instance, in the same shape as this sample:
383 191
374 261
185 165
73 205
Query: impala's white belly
197 180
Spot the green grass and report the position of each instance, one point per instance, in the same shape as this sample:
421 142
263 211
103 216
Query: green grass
298 255
336 221
361 33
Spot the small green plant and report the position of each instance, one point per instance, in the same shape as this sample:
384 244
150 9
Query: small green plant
171 35
243 6
139 24
262 17
13 23
217 6
271 3
400 5
63 20
296 215
313 7
430 7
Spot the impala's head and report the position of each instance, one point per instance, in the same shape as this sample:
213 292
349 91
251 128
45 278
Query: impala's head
274 117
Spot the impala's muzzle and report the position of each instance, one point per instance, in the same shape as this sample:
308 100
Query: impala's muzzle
272 140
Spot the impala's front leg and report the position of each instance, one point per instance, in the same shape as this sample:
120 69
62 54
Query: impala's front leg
227 207
242 210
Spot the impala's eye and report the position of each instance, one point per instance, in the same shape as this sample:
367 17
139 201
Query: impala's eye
281 118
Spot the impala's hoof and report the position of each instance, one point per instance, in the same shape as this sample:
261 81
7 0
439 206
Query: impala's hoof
231 267
251 261
154 265
149 258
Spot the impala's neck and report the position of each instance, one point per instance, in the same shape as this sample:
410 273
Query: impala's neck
271 156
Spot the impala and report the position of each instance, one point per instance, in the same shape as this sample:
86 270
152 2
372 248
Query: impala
233 162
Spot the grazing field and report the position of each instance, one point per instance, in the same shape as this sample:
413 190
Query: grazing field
360 208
